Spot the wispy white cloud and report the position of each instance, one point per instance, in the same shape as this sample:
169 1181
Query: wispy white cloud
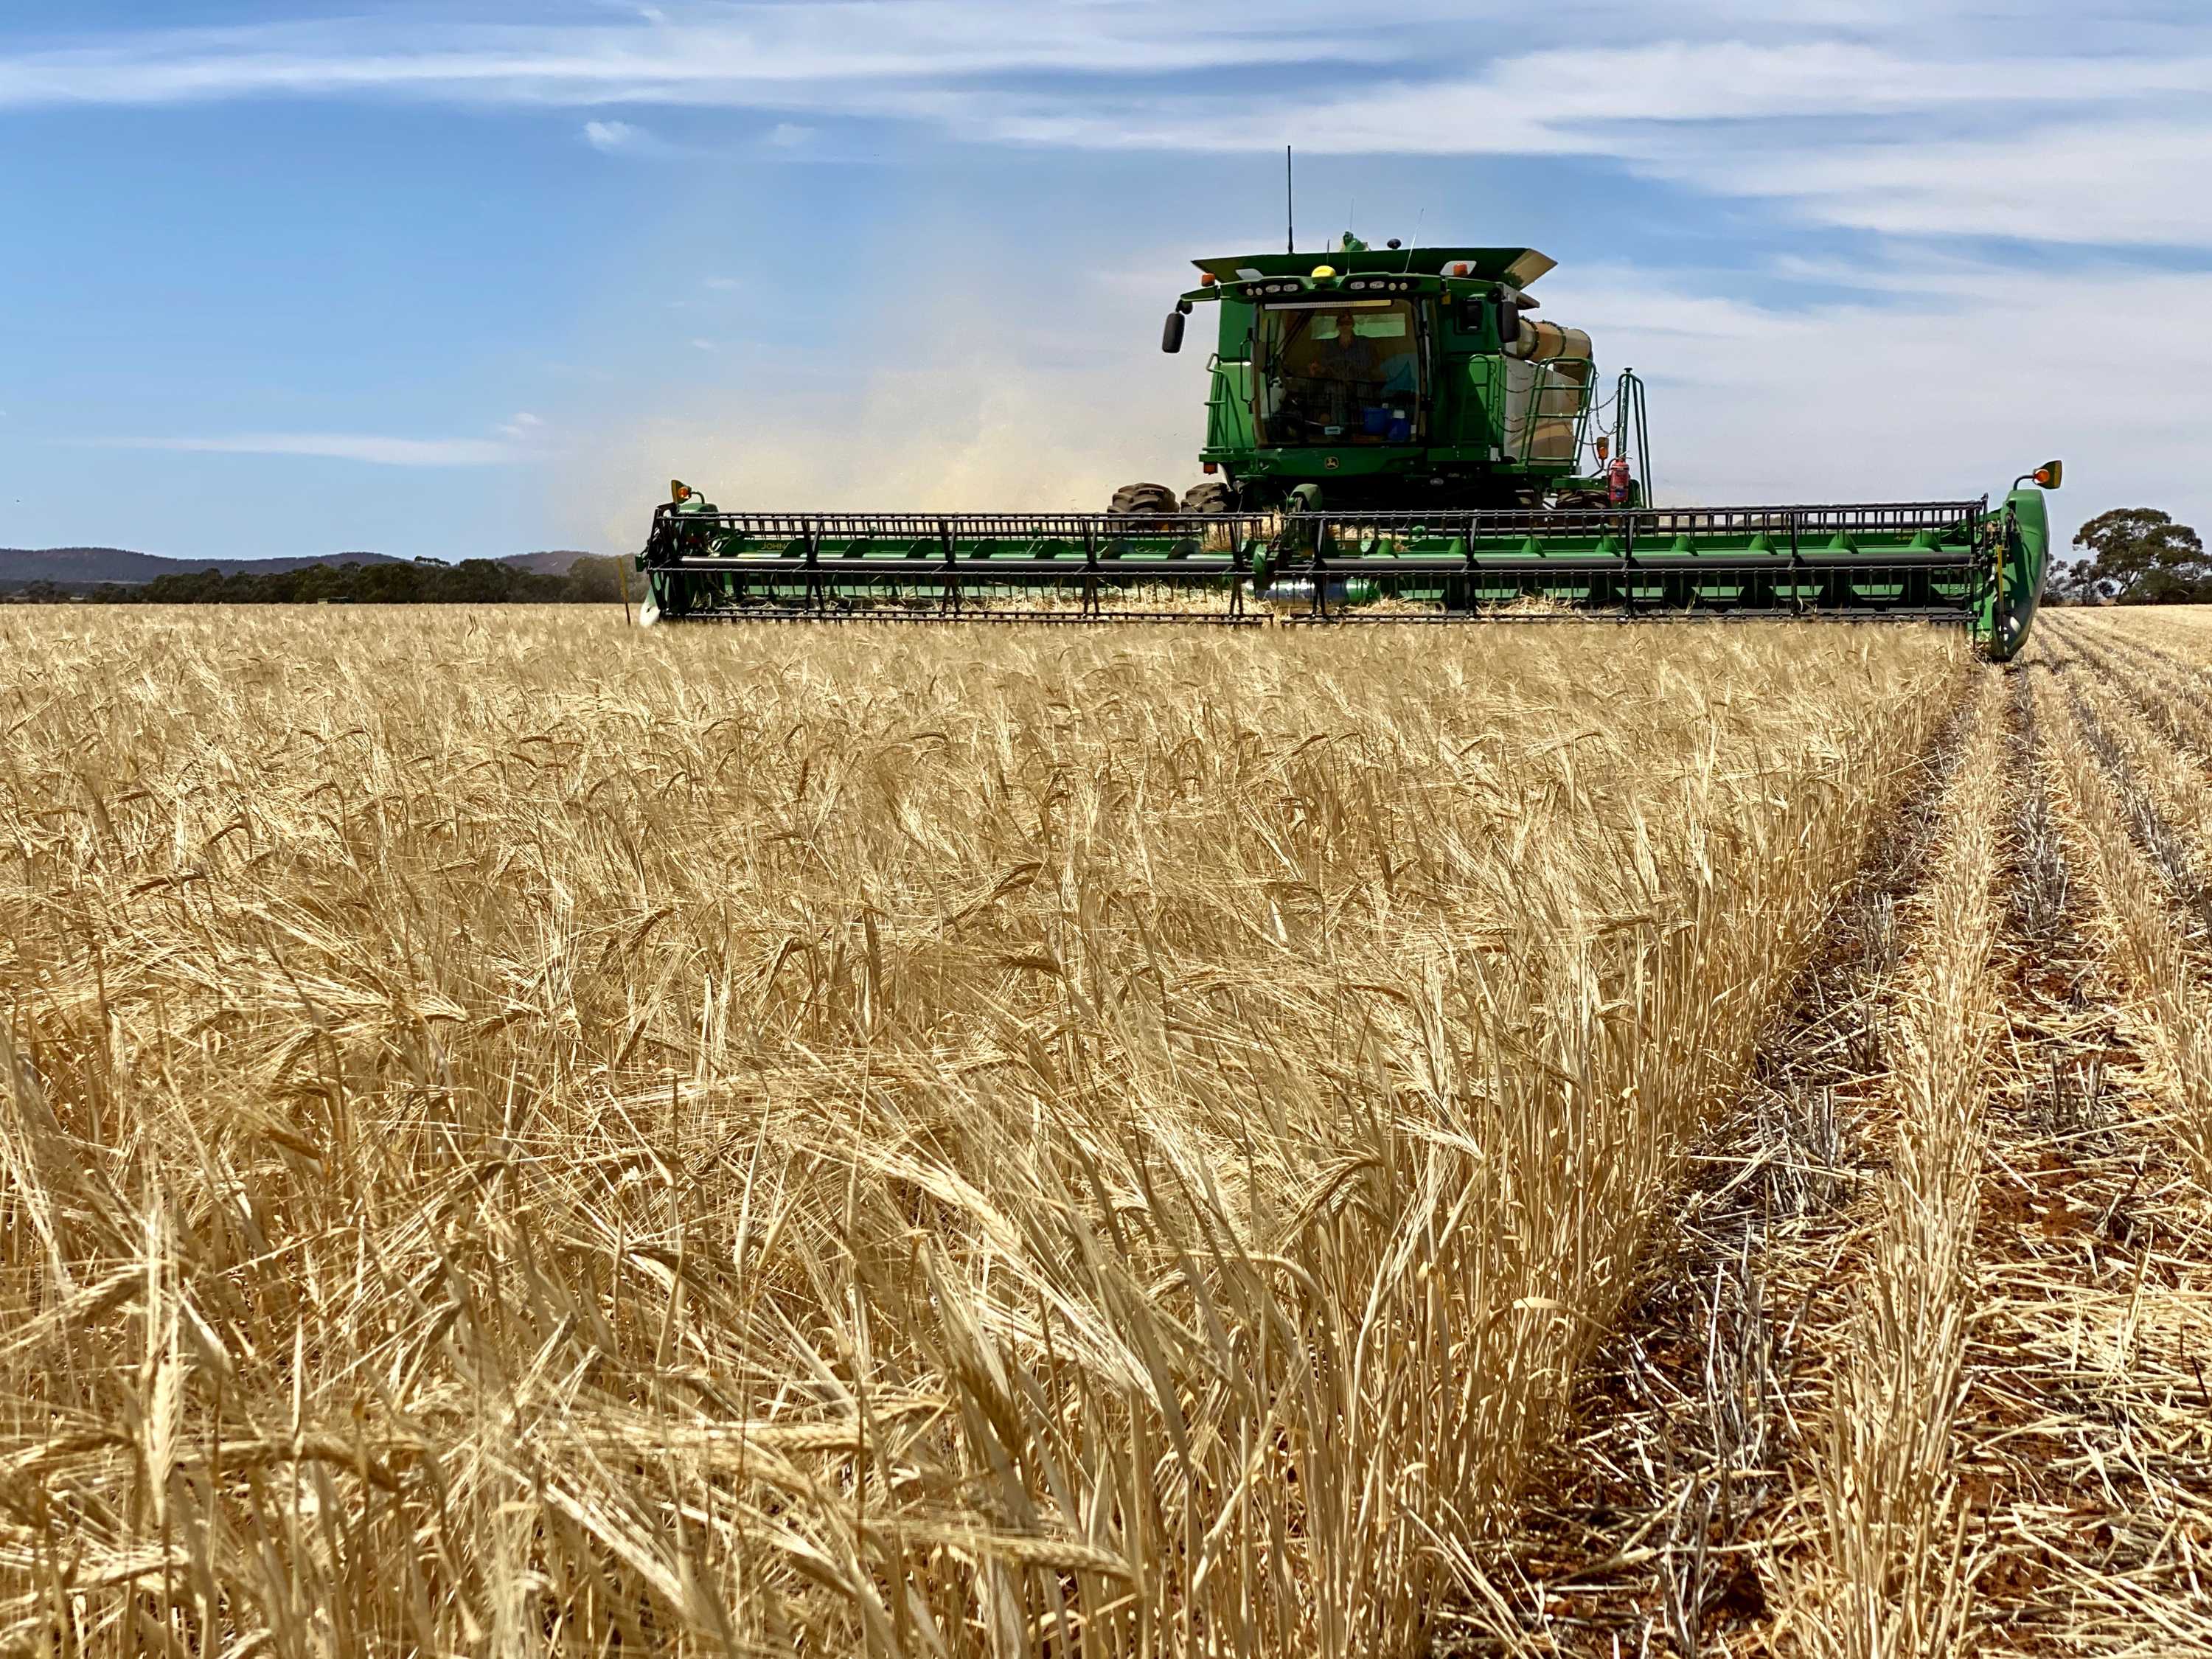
1632 101
2120 179
337 447
706 53
2073 149
1947 379
1878 114
524 425
608 136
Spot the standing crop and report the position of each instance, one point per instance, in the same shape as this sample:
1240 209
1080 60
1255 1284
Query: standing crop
534 1139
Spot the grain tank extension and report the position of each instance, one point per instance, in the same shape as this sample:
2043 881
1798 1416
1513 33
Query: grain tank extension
1391 435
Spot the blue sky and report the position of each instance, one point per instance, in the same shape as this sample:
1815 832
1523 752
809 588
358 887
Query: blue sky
478 277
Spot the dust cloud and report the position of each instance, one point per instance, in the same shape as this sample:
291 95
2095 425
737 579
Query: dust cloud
1012 419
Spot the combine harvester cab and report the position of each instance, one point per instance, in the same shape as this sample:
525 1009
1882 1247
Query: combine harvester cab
1389 437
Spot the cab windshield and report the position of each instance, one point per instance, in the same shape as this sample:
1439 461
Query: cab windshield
1337 372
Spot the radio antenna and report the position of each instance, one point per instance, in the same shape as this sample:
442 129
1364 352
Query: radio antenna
1290 208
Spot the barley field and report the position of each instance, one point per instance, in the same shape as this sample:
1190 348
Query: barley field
525 1137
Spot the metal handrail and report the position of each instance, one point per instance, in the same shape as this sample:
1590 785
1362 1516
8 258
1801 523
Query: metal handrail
1549 381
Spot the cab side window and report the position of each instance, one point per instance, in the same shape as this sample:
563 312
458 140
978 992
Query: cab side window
1492 318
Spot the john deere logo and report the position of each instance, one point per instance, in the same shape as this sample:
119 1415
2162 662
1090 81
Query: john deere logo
1330 464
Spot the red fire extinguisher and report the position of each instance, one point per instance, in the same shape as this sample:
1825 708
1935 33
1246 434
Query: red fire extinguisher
1617 481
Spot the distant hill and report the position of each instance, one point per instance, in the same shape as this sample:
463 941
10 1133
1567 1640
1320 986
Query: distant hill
74 565
81 569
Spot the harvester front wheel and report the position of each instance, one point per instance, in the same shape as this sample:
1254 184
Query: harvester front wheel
1211 497
1141 500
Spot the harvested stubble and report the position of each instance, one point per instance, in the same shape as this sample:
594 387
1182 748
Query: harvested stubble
1887 1579
2084 1422
1981 1379
527 1137
2146 892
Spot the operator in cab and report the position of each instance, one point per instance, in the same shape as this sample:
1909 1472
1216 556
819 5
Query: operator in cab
1347 375
1338 353
1367 375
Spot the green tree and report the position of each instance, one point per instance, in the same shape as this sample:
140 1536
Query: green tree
594 578
2139 555
473 582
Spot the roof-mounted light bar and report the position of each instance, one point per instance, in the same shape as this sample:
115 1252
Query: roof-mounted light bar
1350 285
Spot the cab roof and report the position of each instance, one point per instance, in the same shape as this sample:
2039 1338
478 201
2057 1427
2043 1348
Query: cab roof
1518 266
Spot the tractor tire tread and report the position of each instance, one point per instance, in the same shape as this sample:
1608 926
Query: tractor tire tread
1143 501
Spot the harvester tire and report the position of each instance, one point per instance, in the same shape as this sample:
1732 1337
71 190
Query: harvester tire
1211 497
1142 500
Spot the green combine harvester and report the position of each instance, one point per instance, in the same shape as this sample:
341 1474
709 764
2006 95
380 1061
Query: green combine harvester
1390 436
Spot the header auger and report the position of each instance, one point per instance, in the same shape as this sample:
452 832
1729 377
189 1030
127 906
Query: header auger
1389 437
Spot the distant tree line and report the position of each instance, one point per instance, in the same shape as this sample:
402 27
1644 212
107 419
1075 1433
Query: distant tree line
2133 556
590 579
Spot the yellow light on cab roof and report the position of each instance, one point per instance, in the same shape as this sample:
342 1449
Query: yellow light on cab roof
1321 271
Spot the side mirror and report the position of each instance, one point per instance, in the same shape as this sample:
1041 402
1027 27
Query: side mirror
1509 323
1171 335
2049 475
